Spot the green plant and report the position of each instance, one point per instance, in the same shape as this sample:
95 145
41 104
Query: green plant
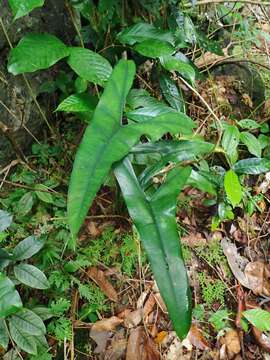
128 127
20 325
212 291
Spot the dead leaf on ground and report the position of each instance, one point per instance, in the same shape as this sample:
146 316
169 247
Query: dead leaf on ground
232 343
208 58
118 346
133 318
258 275
262 339
140 346
176 350
236 262
160 302
108 324
149 305
196 338
99 278
93 230
101 332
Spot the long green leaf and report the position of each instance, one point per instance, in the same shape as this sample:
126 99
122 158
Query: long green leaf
35 52
31 276
155 220
232 187
25 341
23 7
154 48
89 65
10 301
106 141
252 166
172 93
29 322
4 338
27 248
259 318
143 31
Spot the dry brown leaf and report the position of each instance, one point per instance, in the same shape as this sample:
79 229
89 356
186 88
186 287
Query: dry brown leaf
118 346
141 300
176 351
99 278
93 230
236 262
108 324
101 332
258 275
140 346
208 58
160 302
232 342
262 339
134 318
149 305
197 339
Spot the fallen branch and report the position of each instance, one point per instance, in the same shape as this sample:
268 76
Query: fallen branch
252 2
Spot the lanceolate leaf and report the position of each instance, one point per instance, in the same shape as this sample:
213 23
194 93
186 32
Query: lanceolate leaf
143 31
27 248
25 341
89 65
154 48
43 50
230 141
155 221
258 318
172 93
31 276
78 103
106 141
5 220
233 187
252 143
10 301
29 322
252 166
23 7
4 338
172 63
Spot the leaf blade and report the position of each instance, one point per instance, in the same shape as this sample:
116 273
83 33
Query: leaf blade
233 187
31 276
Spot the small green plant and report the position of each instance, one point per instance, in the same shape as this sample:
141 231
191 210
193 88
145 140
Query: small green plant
19 324
212 291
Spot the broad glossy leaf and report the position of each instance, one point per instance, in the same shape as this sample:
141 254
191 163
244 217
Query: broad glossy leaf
164 152
89 65
5 258
232 187
31 276
106 141
5 220
10 301
142 32
29 322
25 341
258 318
44 50
155 221
248 124
154 48
172 63
27 248
23 7
252 166
78 103
43 193
4 338
230 141
25 204
200 182
252 143
172 93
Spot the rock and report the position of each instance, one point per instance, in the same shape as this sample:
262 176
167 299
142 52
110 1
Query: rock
19 112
